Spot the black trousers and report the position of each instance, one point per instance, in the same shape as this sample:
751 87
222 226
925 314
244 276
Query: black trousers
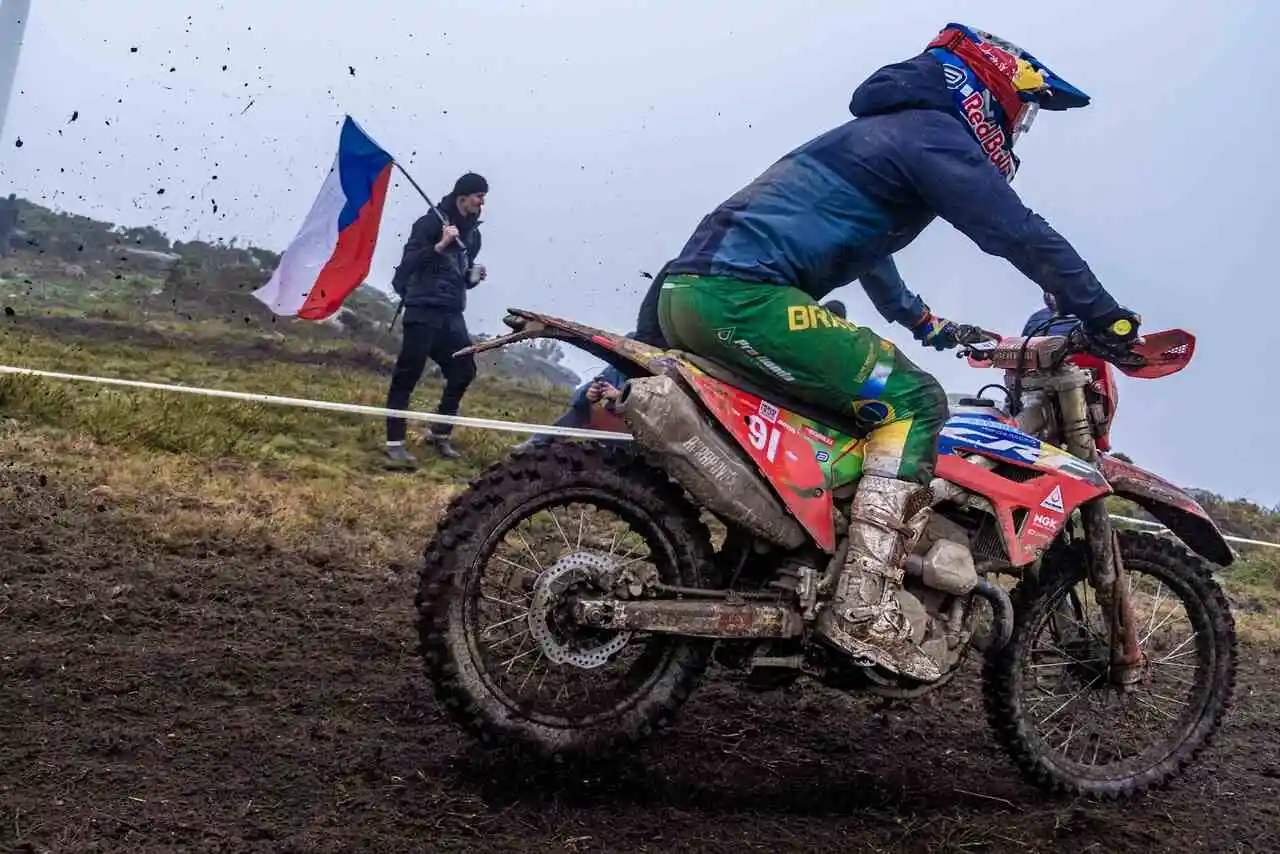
434 335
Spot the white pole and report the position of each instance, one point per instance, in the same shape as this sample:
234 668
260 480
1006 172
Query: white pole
13 22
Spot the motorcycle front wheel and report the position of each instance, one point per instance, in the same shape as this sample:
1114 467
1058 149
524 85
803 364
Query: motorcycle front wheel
1049 694
495 590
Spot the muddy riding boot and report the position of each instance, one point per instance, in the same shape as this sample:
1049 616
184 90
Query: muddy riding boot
864 617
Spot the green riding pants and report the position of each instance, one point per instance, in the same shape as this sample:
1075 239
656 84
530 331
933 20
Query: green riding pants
780 335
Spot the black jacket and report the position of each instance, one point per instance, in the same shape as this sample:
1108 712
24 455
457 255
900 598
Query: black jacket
648 330
427 279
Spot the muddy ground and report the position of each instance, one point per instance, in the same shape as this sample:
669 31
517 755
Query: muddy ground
231 698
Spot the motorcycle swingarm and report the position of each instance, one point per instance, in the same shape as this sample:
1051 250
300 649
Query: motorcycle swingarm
710 619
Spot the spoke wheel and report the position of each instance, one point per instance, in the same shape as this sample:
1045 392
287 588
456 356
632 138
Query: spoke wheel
1050 695
496 593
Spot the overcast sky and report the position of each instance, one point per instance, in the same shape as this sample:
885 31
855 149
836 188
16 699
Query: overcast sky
607 129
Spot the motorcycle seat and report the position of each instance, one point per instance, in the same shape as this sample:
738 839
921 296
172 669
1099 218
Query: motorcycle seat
779 395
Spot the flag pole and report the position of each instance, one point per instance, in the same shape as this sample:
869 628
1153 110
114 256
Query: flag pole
13 23
409 178
435 211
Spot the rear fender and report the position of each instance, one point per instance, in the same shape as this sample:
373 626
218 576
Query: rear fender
1172 506
631 357
790 452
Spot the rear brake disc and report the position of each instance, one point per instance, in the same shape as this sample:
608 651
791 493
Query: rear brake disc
549 624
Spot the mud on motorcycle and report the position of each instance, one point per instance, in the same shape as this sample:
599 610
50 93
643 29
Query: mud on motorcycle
573 595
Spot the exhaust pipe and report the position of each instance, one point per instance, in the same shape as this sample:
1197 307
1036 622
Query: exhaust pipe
1002 609
669 426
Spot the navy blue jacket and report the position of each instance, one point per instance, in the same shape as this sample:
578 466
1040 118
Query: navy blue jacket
838 207
426 279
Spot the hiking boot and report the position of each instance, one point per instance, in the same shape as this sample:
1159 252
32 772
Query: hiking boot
864 618
399 458
444 448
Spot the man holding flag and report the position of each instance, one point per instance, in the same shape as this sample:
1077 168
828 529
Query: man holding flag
333 250
436 271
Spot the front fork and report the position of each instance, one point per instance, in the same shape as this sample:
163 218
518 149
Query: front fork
1107 575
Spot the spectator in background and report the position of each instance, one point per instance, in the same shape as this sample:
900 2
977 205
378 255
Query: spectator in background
435 273
605 387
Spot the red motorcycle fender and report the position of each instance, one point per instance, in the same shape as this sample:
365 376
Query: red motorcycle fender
1172 506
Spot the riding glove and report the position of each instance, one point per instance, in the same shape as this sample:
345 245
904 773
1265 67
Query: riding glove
1118 328
937 332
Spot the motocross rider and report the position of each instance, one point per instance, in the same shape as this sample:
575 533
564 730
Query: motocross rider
931 136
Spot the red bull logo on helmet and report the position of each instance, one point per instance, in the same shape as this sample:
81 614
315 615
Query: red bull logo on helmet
1000 58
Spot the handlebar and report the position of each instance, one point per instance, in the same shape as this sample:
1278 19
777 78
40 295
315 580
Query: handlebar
1152 356
981 346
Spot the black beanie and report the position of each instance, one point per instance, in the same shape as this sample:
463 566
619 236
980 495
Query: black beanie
470 184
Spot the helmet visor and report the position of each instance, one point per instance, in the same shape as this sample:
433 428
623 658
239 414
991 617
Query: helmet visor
1026 118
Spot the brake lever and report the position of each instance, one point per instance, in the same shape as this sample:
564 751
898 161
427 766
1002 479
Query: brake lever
1126 359
968 334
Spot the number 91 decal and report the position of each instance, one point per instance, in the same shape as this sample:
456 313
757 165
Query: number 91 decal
764 436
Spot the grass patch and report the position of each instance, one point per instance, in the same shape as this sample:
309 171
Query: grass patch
1253 585
190 506
199 474
208 429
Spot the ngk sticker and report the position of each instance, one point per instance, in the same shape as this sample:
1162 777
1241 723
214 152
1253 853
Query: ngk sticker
1042 521
768 411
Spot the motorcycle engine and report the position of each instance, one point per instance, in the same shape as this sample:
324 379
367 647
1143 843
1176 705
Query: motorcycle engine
940 578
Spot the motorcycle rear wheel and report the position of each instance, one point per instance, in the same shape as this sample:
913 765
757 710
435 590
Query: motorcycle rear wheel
473 690
1204 669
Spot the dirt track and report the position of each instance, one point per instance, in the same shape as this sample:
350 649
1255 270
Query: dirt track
236 699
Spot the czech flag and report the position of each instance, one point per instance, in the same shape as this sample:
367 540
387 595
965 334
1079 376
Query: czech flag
331 254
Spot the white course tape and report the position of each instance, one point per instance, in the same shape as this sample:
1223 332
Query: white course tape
410 415
1226 537
359 409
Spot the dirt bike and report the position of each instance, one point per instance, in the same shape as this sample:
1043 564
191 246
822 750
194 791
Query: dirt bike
541 631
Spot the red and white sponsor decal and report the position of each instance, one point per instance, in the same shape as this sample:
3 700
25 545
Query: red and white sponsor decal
1053 501
818 437
990 135
1040 520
